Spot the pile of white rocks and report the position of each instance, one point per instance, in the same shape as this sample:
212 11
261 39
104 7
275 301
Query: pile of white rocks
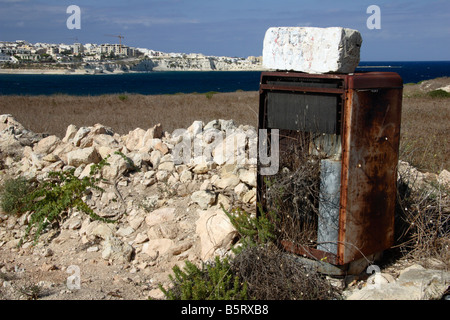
167 206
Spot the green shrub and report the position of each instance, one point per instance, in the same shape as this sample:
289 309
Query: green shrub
123 97
254 230
214 281
439 94
14 192
49 199
210 94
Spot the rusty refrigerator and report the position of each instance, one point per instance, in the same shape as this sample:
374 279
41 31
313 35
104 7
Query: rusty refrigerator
352 125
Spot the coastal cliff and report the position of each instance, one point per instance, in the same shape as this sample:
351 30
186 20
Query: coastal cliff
197 64
183 63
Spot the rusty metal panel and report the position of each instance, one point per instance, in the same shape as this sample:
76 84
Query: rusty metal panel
368 130
374 80
370 157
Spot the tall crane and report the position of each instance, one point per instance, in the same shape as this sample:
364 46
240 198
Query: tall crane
117 36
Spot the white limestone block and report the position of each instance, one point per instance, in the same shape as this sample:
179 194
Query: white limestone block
312 50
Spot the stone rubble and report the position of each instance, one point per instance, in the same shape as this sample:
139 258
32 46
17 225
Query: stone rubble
166 211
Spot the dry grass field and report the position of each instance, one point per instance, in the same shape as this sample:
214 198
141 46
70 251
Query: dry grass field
425 120
123 113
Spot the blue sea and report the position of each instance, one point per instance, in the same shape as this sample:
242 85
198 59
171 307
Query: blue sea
187 82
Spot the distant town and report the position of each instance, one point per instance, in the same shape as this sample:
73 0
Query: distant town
117 57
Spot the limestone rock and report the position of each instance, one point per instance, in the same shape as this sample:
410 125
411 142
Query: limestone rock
186 176
62 150
83 156
10 146
180 247
249 196
99 229
232 149
213 124
312 50
226 125
8 121
195 128
444 178
248 176
227 181
135 221
167 230
80 135
215 231
241 189
117 250
157 247
105 140
125 231
155 158
159 216
133 141
46 145
141 238
201 168
70 133
117 166
204 198
414 283
161 147
167 166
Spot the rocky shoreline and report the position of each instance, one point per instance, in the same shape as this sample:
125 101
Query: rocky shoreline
167 211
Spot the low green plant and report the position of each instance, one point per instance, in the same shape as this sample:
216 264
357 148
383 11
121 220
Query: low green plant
14 192
47 200
214 281
254 229
210 94
439 94
32 292
123 97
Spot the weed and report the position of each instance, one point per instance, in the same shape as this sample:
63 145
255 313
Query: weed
123 97
439 94
422 219
213 281
254 230
32 292
49 199
271 274
210 94
12 197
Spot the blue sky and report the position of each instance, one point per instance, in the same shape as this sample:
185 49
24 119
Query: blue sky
410 30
